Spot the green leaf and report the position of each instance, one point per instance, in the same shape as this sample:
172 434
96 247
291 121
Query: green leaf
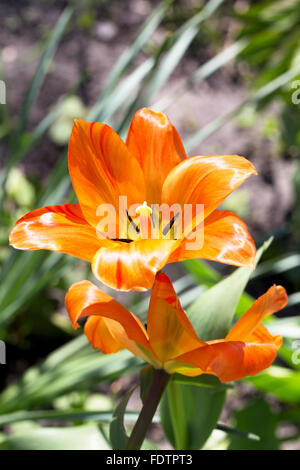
202 73
65 416
184 37
212 313
43 66
117 431
203 380
35 87
127 58
189 414
75 365
279 381
258 419
255 98
278 265
202 272
87 437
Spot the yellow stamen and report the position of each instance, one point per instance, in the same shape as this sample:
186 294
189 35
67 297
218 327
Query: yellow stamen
144 210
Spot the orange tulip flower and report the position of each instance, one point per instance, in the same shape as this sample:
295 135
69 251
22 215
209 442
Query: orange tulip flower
150 168
170 342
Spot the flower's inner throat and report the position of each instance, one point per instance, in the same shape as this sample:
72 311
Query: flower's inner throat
150 223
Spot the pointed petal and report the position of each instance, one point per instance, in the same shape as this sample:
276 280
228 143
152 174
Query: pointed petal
232 360
262 335
99 332
157 146
170 331
132 265
206 180
108 319
102 169
272 301
223 237
57 228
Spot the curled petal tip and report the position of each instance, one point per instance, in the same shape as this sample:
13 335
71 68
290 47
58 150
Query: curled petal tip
282 296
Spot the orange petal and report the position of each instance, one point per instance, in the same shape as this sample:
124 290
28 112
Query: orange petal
108 320
57 228
205 180
132 265
84 299
170 331
273 300
224 238
262 335
157 146
99 332
232 360
102 169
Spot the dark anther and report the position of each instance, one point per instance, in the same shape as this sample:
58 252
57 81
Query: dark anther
133 223
168 227
125 240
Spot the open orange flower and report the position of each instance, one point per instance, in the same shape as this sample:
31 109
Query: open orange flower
150 168
170 342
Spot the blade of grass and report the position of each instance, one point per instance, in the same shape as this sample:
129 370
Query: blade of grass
184 36
33 91
255 98
43 68
202 73
127 59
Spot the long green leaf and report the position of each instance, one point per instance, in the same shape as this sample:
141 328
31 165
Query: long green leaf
43 67
127 58
184 37
117 431
256 97
75 365
189 414
86 437
202 73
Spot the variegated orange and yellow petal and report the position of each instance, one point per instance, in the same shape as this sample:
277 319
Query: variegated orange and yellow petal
57 228
262 335
155 143
170 331
206 180
272 301
102 169
84 299
109 326
100 333
132 265
110 336
232 360
222 237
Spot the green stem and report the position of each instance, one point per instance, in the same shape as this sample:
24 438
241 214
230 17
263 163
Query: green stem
160 380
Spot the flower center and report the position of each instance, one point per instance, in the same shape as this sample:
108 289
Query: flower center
144 210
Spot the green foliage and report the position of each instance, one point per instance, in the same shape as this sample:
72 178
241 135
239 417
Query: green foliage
87 437
117 431
281 382
73 366
258 419
189 414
